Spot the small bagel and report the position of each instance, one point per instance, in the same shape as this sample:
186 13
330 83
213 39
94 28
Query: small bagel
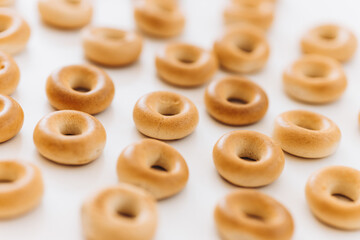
159 18
306 134
66 14
248 158
333 195
165 115
15 32
250 214
21 188
154 166
236 101
84 88
11 118
186 65
119 212
6 3
242 49
330 40
257 12
315 79
69 137
9 74
111 46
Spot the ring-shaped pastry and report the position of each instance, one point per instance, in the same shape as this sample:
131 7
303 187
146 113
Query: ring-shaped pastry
306 134
243 49
111 46
9 74
84 88
154 166
257 12
165 115
330 40
21 188
333 195
248 158
186 65
159 18
250 214
66 14
119 212
11 118
14 32
315 79
70 137
236 101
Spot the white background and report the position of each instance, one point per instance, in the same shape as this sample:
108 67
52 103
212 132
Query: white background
187 215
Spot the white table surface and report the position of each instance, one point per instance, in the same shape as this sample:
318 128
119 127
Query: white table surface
188 215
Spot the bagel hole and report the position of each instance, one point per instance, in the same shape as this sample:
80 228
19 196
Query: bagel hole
245 45
169 106
125 213
9 177
73 1
187 58
5 23
342 197
126 210
316 70
10 172
159 165
83 83
237 100
164 6
328 34
70 130
249 150
114 35
309 124
255 217
249 5
249 159
169 111
82 89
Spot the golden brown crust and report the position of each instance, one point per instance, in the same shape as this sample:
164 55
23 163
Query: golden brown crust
165 115
330 40
315 79
186 65
248 158
159 18
321 190
65 14
257 12
80 87
236 101
243 49
70 137
154 166
9 74
250 214
306 134
15 32
21 188
111 46
11 118
119 212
